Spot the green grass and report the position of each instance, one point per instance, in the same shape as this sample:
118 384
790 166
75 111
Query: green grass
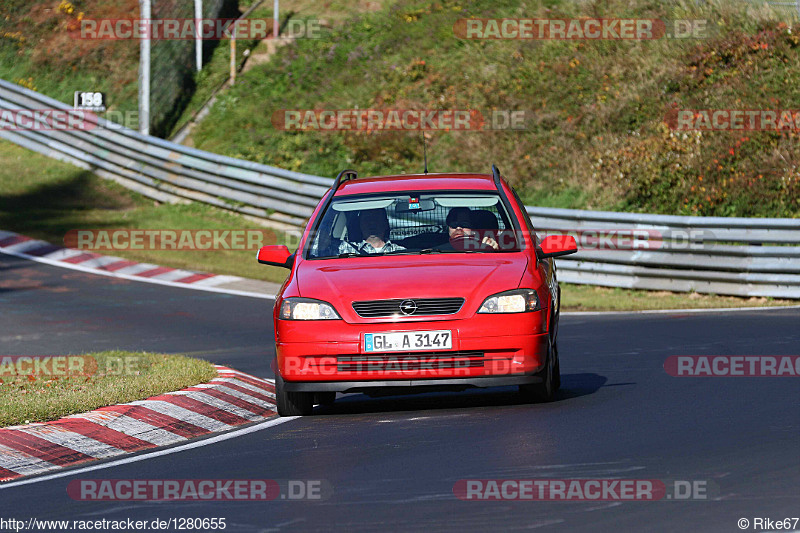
597 138
44 199
208 80
592 298
217 69
37 51
104 378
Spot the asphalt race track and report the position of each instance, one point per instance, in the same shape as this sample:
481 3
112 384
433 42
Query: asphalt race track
392 462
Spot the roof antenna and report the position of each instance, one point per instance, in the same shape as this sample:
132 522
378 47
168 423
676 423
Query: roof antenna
425 151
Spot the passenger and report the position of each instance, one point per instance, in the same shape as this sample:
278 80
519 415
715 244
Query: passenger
463 236
374 226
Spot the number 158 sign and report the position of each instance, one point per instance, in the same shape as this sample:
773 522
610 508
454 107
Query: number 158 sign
90 101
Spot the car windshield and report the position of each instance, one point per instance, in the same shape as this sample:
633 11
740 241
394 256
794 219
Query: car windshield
413 223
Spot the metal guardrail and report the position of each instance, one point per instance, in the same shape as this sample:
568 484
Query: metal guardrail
792 6
167 171
736 256
717 255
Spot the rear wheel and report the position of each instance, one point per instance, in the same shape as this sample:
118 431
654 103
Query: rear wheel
544 391
292 403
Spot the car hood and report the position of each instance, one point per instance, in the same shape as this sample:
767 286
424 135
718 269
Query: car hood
473 277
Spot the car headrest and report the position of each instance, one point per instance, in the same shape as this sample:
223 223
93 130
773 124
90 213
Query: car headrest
485 220
353 227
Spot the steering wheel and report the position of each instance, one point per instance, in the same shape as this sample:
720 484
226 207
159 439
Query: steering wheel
467 243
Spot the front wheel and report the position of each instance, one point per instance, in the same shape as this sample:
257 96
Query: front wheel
546 390
292 403
556 369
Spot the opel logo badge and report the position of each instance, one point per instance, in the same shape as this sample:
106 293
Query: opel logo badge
408 307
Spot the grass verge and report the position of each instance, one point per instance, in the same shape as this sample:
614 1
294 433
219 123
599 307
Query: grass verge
106 378
216 70
40 49
593 298
44 198
596 134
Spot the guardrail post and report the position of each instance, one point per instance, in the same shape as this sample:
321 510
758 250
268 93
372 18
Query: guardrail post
144 69
275 21
198 41
233 54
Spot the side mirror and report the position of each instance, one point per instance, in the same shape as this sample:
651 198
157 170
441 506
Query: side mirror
275 255
556 245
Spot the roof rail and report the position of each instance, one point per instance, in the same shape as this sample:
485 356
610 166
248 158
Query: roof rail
496 175
344 175
506 201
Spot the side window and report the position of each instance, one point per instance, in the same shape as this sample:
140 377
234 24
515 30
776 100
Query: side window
526 218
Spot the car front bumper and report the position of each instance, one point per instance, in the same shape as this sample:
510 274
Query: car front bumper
487 351
402 385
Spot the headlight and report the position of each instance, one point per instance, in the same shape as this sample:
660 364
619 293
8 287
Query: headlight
516 301
307 309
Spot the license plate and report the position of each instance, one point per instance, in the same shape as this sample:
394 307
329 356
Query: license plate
408 341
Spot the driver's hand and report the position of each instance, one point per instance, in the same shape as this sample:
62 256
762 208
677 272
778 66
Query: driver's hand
491 242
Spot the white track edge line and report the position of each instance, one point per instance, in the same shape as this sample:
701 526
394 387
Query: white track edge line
183 447
667 311
136 278
270 297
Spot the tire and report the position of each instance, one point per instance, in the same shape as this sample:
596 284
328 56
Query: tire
556 369
325 398
545 391
292 403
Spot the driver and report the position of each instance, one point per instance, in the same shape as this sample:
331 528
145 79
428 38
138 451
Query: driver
375 235
462 235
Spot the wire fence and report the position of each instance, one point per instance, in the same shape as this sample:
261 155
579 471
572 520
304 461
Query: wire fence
172 61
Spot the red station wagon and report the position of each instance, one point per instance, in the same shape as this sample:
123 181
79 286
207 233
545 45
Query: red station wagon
416 282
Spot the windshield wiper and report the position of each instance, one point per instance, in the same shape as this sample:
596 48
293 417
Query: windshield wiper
414 252
351 254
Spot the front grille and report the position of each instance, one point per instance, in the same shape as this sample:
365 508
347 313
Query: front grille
409 361
424 307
